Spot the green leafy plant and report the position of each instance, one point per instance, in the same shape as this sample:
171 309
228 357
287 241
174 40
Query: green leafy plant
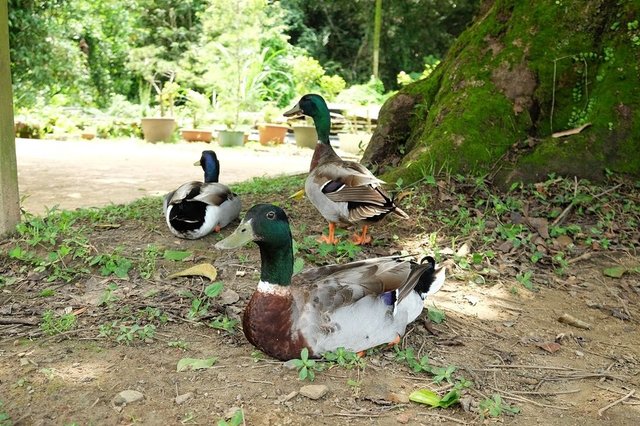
179 344
306 366
112 264
127 333
147 265
495 407
224 323
107 297
52 324
343 358
525 279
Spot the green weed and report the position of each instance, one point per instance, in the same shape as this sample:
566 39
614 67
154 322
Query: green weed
52 324
495 407
306 366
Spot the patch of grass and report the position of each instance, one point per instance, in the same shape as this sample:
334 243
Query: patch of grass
277 185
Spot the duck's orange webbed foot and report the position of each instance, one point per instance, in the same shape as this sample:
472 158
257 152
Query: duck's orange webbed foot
393 342
361 239
331 238
217 228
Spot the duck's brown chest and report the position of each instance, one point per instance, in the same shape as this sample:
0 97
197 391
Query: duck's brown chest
267 325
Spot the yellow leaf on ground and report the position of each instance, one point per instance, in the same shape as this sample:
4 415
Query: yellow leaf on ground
298 195
201 270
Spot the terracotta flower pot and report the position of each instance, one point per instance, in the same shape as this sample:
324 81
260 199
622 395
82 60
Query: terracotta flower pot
272 133
196 135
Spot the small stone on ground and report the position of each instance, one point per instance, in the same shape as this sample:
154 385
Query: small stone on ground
314 391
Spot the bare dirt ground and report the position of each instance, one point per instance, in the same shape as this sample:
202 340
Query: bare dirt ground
506 339
71 174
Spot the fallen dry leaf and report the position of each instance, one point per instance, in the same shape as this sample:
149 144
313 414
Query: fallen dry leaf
551 347
202 270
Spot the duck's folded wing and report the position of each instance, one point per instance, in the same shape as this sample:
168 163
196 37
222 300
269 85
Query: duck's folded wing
185 191
214 194
334 286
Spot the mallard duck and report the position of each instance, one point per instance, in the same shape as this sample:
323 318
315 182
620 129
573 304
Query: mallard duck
344 192
356 306
197 208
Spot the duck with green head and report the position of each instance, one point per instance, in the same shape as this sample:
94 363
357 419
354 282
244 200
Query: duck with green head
196 209
356 306
344 192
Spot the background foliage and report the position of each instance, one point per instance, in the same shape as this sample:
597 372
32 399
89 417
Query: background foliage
88 53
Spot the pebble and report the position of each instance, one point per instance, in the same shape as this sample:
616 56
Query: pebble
403 418
181 399
127 397
314 391
229 297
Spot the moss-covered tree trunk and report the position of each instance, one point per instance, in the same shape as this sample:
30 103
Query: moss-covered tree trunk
519 77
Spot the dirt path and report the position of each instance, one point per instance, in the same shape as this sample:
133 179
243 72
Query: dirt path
73 174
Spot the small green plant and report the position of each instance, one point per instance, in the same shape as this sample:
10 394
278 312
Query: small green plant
525 279
495 407
107 297
52 324
224 323
112 264
147 265
5 418
306 367
435 315
179 344
199 308
441 373
236 420
47 292
128 333
344 358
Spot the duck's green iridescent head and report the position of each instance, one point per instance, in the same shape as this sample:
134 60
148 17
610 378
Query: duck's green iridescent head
315 107
268 226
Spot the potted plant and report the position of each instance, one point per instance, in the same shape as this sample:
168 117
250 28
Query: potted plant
160 76
197 105
269 131
305 134
231 136
354 141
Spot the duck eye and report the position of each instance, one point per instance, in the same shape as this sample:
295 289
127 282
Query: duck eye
271 215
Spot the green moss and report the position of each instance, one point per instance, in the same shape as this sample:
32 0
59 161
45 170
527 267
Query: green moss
585 61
